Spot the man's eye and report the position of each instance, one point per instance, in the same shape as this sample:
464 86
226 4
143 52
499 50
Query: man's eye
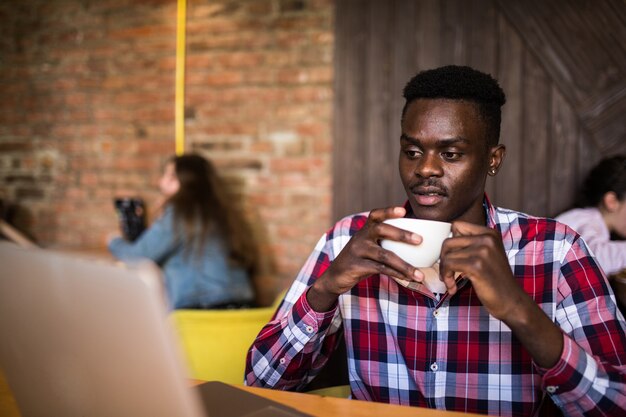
453 156
411 153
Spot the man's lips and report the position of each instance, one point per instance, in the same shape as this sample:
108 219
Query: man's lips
428 199
428 196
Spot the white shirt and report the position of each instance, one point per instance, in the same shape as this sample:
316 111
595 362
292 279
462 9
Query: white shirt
588 222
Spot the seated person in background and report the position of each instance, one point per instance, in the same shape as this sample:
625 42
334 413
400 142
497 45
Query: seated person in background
602 211
530 322
201 241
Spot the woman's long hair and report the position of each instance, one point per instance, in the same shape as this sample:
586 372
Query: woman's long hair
203 207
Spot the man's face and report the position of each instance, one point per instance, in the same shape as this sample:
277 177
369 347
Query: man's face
444 159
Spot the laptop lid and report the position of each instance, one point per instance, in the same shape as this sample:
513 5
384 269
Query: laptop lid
86 338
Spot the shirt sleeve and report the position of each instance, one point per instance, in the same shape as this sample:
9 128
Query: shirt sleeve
156 243
296 344
590 377
611 254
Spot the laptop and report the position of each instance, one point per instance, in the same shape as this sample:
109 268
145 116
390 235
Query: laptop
81 337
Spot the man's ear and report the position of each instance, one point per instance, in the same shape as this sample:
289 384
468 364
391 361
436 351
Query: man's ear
610 201
496 157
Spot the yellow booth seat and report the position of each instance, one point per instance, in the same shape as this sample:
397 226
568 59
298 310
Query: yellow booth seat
215 342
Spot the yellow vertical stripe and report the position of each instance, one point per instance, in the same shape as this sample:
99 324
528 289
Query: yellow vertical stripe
180 77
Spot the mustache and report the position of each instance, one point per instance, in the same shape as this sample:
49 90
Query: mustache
428 185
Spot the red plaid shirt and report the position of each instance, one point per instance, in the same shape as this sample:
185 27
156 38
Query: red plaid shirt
405 347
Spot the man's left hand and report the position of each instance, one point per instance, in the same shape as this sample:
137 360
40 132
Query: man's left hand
477 253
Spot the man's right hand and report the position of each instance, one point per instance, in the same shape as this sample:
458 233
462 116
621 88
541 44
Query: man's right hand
363 256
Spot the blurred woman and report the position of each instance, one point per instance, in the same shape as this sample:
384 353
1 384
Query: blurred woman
602 213
202 241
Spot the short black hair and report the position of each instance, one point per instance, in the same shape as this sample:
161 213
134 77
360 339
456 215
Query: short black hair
461 83
609 175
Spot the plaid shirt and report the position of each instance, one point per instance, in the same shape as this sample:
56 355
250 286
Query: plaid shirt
406 347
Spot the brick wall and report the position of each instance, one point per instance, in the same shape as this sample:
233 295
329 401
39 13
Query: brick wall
88 112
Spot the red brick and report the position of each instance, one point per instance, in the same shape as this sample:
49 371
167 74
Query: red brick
323 38
322 147
133 98
242 59
316 129
301 22
15 146
221 79
301 165
310 94
143 31
195 61
262 76
261 147
153 147
268 199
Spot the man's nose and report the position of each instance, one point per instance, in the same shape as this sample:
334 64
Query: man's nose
429 165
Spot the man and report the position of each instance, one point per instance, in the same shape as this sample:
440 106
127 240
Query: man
529 317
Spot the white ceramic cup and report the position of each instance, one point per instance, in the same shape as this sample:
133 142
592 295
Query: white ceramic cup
425 254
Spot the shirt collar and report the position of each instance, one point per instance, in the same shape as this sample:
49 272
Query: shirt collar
490 213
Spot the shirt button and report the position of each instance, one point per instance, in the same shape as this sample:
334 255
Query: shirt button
282 361
436 313
434 366
551 389
309 329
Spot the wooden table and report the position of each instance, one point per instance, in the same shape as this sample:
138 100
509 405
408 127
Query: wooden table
318 406
332 407
307 403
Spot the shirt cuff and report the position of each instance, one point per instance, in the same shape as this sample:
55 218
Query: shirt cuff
571 377
308 320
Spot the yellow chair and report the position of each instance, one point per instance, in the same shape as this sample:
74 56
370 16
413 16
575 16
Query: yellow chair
215 342
8 405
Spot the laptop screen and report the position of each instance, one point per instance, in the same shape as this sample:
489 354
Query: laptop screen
87 338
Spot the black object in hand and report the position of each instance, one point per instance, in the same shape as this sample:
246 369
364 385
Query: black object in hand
132 216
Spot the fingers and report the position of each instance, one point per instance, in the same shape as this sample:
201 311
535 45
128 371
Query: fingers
386 231
447 276
380 215
467 235
379 230
388 263
473 252
460 228
467 252
456 263
364 256
398 273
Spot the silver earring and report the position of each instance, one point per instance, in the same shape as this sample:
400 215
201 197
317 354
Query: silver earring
492 171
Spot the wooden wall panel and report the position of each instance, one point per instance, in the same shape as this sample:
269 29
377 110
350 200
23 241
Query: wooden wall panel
480 31
562 115
581 46
510 77
427 38
562 155
406 52
350 58
377 94
535 132
454 50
